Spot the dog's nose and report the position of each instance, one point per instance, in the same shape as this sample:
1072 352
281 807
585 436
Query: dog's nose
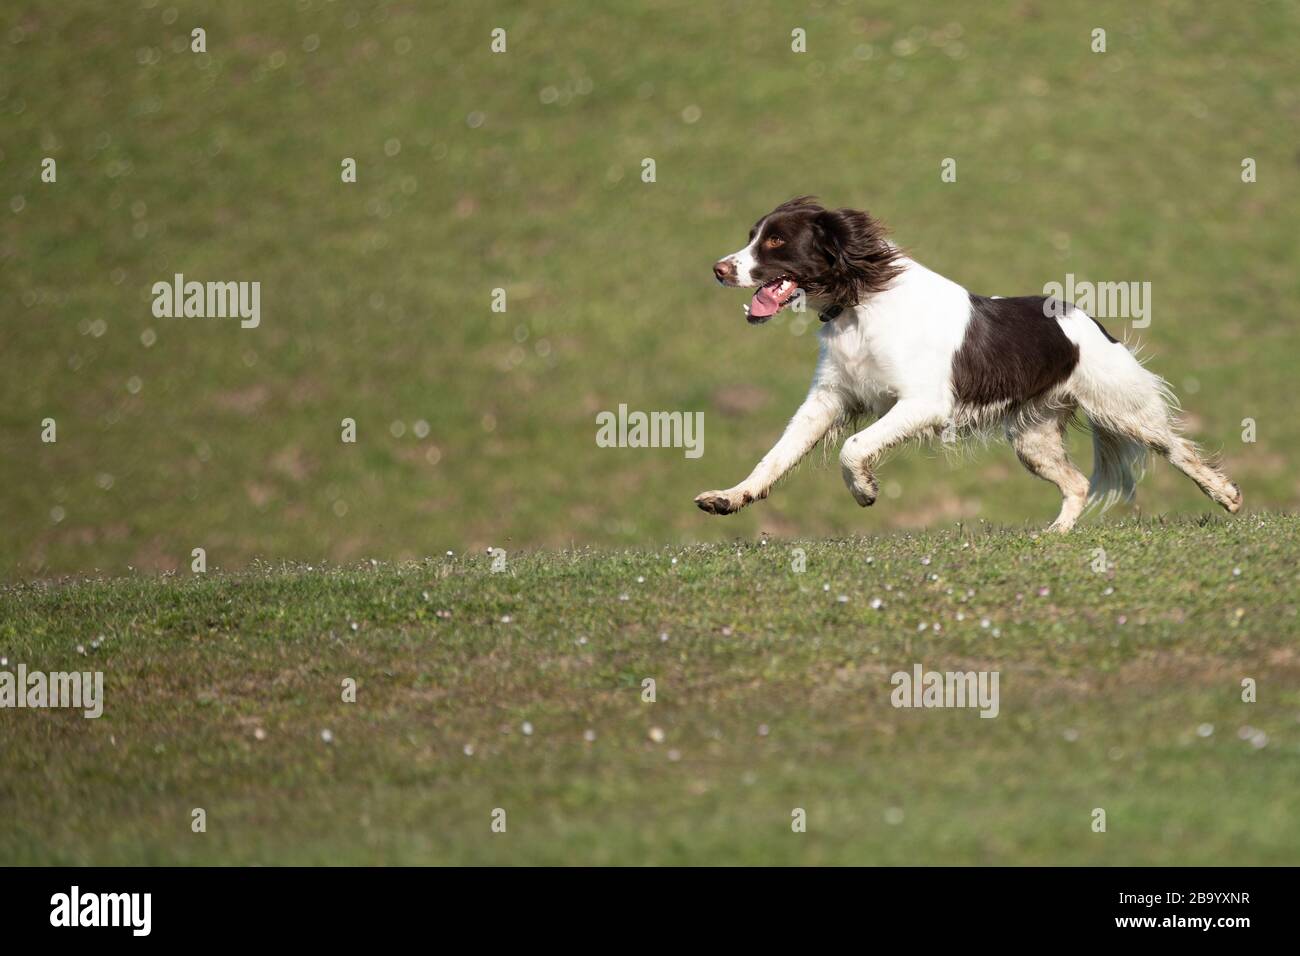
723 270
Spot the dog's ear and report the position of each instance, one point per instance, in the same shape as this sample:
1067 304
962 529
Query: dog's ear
860 259
800 203
845 233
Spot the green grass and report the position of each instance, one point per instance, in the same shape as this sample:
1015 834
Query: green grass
1102 694
376 295
522 171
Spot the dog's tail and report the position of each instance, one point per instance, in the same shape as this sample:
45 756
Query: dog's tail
1130 410
1118 463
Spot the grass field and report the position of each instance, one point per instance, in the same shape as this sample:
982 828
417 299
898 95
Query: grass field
521 171
1119 690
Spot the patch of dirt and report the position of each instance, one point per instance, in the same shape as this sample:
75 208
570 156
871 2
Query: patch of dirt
292 463
244 401
736 401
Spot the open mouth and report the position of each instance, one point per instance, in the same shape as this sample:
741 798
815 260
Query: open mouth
771 298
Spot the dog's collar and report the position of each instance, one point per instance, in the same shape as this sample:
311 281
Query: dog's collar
830 313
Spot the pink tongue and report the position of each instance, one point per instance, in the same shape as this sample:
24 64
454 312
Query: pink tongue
764 303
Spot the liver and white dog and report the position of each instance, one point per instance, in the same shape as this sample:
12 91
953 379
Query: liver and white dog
922 355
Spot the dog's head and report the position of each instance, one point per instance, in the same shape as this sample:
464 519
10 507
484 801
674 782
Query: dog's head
839 255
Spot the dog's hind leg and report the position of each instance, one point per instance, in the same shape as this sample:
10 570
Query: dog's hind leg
1160 435
1182 454
1040 446
1151 425
1131 410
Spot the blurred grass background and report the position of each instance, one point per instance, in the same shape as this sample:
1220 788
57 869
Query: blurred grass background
522 171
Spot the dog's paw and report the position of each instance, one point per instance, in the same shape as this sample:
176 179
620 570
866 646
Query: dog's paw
866 498
862 487
722 502
1233 504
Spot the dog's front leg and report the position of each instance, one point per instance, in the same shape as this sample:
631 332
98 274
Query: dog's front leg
815 416
905 420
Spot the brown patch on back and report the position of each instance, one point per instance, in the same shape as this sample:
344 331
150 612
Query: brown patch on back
1013 351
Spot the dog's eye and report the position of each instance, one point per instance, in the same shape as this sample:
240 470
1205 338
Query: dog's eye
773 242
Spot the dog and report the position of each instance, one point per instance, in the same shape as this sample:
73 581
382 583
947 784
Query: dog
925 357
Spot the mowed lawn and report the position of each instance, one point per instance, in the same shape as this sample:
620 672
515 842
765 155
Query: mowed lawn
522 171
521 690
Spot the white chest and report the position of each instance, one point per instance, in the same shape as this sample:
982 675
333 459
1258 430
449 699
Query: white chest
899 344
